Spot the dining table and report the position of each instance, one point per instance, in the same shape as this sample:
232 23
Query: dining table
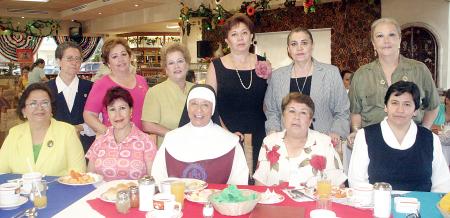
68 201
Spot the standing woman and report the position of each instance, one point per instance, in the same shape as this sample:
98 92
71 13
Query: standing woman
37 73
240 91
322 82
71 92
117 55
371 81
164 102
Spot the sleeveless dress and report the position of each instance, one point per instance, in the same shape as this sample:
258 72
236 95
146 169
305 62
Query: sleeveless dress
241 110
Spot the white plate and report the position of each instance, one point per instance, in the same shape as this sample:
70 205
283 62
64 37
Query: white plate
194 184
105 199
277 198
97 178
151 214
190 184
22 200
200 196
111 184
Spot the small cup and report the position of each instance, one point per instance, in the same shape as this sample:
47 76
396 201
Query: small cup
321 213
9 193
361 195
28 179
166 202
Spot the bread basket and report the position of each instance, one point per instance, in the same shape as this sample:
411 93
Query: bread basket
235 209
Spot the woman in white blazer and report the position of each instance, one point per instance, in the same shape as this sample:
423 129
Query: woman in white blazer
322 82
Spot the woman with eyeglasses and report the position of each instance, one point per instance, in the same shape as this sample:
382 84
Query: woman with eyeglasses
71 92
164 102
41 144
116 54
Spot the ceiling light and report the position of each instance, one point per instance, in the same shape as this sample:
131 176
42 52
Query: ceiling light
23 17
172 26
31 0
100 13
136 5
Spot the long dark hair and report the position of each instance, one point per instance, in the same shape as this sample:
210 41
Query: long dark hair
185 116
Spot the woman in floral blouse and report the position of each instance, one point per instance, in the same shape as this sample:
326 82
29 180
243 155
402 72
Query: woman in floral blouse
124 151
285 156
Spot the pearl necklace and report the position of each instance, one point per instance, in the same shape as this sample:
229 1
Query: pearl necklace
240 79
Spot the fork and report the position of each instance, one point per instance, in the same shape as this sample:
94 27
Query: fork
301 194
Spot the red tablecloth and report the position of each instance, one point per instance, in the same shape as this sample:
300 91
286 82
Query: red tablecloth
194 210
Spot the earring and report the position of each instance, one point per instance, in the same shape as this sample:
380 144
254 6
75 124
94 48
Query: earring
375 52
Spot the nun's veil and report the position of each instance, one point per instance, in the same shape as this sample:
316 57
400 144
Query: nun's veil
185 117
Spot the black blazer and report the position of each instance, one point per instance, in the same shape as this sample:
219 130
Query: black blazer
74 117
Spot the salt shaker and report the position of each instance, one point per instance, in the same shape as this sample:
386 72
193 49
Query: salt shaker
382 200
146 192
123 201
208 210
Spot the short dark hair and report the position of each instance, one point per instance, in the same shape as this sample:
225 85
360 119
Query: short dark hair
33 87
27 68
299 98
235 20
345 72
115 93
59 52
37 62
401 87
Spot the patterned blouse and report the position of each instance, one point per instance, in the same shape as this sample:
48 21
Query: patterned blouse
124 160
275 167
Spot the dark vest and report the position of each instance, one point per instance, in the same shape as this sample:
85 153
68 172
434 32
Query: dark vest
215 170
409 169
75 116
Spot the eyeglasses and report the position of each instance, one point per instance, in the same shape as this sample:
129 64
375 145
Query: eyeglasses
72 59
35 104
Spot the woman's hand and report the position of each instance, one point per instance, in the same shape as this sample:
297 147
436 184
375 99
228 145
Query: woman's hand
241 136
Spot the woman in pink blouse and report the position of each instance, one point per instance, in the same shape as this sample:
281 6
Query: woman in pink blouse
124 151
116 55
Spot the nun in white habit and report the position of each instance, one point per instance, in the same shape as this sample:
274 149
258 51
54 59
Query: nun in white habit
201 149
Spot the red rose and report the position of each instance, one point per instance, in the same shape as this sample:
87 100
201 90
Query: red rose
221 22
272 156
250 11
263 69
318 162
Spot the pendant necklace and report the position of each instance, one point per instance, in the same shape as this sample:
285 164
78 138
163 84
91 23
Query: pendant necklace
304 82
240 79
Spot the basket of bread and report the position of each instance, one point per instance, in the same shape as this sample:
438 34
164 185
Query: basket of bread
233 201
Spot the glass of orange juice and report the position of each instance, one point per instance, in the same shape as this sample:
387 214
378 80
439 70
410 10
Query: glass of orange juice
39 194
177 189
323 194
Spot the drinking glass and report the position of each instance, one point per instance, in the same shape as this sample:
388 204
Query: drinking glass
323 194
39 194
177 189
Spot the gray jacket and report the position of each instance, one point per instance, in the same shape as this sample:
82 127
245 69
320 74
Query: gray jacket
331 102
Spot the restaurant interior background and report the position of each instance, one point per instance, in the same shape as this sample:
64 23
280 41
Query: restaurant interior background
341 31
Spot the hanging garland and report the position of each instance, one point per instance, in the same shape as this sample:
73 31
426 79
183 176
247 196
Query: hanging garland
38 28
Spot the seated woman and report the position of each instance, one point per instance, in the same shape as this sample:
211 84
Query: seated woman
124 151
397 151
201 149
41 144
295 147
